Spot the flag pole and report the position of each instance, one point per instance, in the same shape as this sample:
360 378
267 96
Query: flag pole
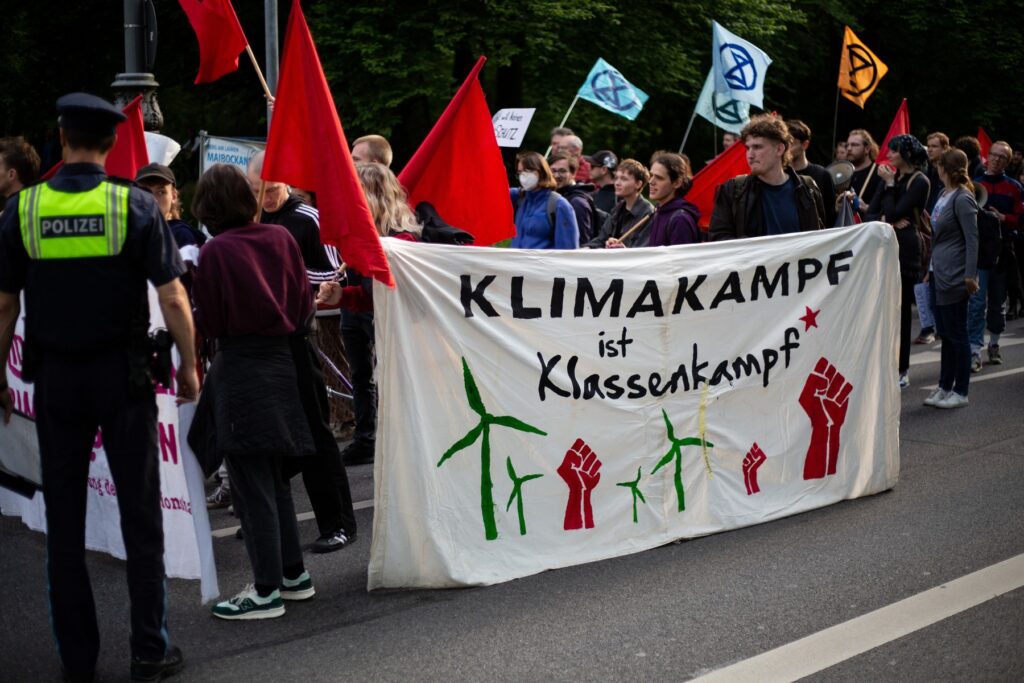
835 122
686 136
259 73
259 200
564 119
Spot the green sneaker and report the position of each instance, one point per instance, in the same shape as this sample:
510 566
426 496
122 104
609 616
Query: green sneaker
249 605
297 589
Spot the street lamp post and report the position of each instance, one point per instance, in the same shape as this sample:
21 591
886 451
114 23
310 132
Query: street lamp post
139 55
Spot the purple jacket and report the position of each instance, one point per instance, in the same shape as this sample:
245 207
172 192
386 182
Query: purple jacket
675 222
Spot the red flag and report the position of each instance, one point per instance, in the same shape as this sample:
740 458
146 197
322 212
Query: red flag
729 164
900 126
463 139
306 147
985 142
129 153
220 36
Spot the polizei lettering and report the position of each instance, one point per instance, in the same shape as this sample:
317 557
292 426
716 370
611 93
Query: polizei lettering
73 226
587 298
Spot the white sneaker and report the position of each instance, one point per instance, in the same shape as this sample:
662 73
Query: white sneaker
954 400
937 395
904 381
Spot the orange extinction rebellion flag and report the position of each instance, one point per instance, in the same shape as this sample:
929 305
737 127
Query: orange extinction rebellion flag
859 70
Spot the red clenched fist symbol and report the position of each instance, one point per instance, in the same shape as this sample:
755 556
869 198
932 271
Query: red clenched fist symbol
751 463
581 471
825 398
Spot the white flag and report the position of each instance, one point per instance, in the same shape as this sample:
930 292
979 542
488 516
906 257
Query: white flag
739 66
721 109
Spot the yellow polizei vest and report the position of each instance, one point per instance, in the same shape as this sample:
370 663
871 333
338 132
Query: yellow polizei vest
67 225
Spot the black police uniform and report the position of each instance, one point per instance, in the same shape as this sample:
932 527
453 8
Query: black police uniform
82 317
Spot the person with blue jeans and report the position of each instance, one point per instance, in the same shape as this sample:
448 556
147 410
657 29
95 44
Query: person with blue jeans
953 277
1004 198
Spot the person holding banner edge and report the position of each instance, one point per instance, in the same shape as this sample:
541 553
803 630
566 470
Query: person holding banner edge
90 364
630 178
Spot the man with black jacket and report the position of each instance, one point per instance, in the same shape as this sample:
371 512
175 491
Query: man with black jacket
773 199
801 133
580 195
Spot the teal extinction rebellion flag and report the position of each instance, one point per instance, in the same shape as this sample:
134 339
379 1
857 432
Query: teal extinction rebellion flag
739 66
608 89
721 109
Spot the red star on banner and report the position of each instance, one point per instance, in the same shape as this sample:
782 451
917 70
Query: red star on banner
810 318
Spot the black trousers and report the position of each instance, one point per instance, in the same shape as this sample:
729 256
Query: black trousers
75 395
906 305
263 503
357 333
324 474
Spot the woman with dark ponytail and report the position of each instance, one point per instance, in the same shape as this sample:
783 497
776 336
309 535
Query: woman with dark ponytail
954 276
900 201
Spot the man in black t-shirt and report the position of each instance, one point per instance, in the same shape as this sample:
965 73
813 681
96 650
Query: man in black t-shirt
801 141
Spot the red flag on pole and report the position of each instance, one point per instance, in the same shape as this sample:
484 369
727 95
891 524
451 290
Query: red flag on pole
984 141
729 164
220 36
129 153
306 147
900 126
463 139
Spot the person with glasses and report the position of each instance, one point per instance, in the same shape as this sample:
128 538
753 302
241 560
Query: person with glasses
1004 198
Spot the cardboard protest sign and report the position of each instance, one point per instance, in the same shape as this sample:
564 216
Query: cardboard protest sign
540 409
510 126
188 548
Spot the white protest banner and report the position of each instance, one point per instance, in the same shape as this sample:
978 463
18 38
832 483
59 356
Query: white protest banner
233 151
188 547
540 409
510 126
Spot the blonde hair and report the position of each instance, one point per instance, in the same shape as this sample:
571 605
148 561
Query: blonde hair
388 202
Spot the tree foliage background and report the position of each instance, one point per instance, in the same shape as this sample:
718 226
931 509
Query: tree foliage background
394 65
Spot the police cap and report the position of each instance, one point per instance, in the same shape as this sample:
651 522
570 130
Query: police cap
88 113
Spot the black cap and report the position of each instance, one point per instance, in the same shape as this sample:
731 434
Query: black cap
604 158
88 113
155 172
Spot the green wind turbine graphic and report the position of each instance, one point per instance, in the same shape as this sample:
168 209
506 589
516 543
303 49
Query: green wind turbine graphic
483 428
634 488
676 453
517 493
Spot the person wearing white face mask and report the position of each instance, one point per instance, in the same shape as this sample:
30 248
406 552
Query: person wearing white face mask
544 219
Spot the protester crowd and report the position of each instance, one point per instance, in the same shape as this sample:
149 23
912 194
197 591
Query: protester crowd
254 287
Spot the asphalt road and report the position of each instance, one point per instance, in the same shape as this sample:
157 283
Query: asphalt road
673 613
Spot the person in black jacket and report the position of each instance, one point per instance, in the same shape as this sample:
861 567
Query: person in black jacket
281 207
773 199
801 133
630 178
901 201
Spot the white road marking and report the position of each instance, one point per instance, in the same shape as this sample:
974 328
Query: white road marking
302 517
983 376
933 352
833 645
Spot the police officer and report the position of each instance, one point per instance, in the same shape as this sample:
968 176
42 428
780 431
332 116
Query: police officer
82 246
